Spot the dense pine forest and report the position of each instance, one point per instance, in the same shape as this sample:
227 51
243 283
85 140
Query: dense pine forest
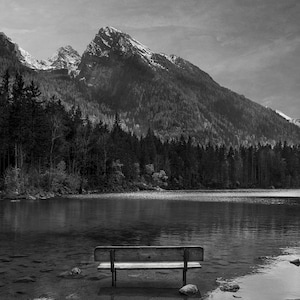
44 147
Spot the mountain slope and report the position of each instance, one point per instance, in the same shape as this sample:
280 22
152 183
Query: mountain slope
64 58
10 55
171 95
116 73
54 76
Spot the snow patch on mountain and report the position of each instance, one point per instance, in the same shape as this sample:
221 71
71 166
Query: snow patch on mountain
110 39
172 58
27 59
283 115
291 120
109 30
105 43
63 58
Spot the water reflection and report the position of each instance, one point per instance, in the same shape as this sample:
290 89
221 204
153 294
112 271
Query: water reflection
235 229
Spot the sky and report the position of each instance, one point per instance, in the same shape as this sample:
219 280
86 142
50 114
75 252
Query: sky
249 46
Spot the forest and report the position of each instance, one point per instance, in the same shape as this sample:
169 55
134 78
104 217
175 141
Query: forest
45 147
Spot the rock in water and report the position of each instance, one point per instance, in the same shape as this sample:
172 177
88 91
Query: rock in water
189 290
76 271
295 262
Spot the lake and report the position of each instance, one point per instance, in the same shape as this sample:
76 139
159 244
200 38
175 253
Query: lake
248 237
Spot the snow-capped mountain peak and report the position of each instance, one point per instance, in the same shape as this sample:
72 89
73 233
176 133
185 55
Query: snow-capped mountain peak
111 40
110 30
64 58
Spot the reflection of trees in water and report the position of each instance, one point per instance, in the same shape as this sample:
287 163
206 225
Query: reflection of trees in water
234 225
234 234
138 219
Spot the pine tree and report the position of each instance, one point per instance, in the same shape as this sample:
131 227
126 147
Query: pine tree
4 122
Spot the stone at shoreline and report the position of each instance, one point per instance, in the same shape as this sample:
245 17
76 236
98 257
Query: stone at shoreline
41 196
76 271
295 262
30 197
229 287
189 290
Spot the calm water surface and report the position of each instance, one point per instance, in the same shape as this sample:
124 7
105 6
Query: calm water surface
240 231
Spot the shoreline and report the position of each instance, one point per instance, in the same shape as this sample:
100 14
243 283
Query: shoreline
39 194
243 192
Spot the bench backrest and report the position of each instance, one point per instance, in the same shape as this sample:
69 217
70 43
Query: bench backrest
148 253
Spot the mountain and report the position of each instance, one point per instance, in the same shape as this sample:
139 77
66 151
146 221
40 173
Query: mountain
171 95
64 58
54 76
10 54
166 93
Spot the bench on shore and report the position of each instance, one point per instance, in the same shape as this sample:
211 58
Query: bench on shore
148 257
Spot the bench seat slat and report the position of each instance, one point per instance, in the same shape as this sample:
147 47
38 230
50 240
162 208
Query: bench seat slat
148 265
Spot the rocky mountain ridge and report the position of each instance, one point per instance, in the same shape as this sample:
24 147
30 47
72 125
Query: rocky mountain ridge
64 58
166 93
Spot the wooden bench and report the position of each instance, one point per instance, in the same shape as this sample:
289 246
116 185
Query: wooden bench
148 257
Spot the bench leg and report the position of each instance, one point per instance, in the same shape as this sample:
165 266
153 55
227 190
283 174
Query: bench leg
114 277
184 277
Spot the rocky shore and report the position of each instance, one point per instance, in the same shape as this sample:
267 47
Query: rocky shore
43 195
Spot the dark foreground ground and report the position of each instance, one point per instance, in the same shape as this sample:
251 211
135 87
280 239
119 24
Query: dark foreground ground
27 278
37 278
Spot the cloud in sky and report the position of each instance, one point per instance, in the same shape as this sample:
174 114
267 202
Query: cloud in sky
250 46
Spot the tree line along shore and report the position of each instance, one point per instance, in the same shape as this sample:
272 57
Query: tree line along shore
47 150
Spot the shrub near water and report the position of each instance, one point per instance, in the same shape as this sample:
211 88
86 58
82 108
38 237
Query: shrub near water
57 180
15 181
